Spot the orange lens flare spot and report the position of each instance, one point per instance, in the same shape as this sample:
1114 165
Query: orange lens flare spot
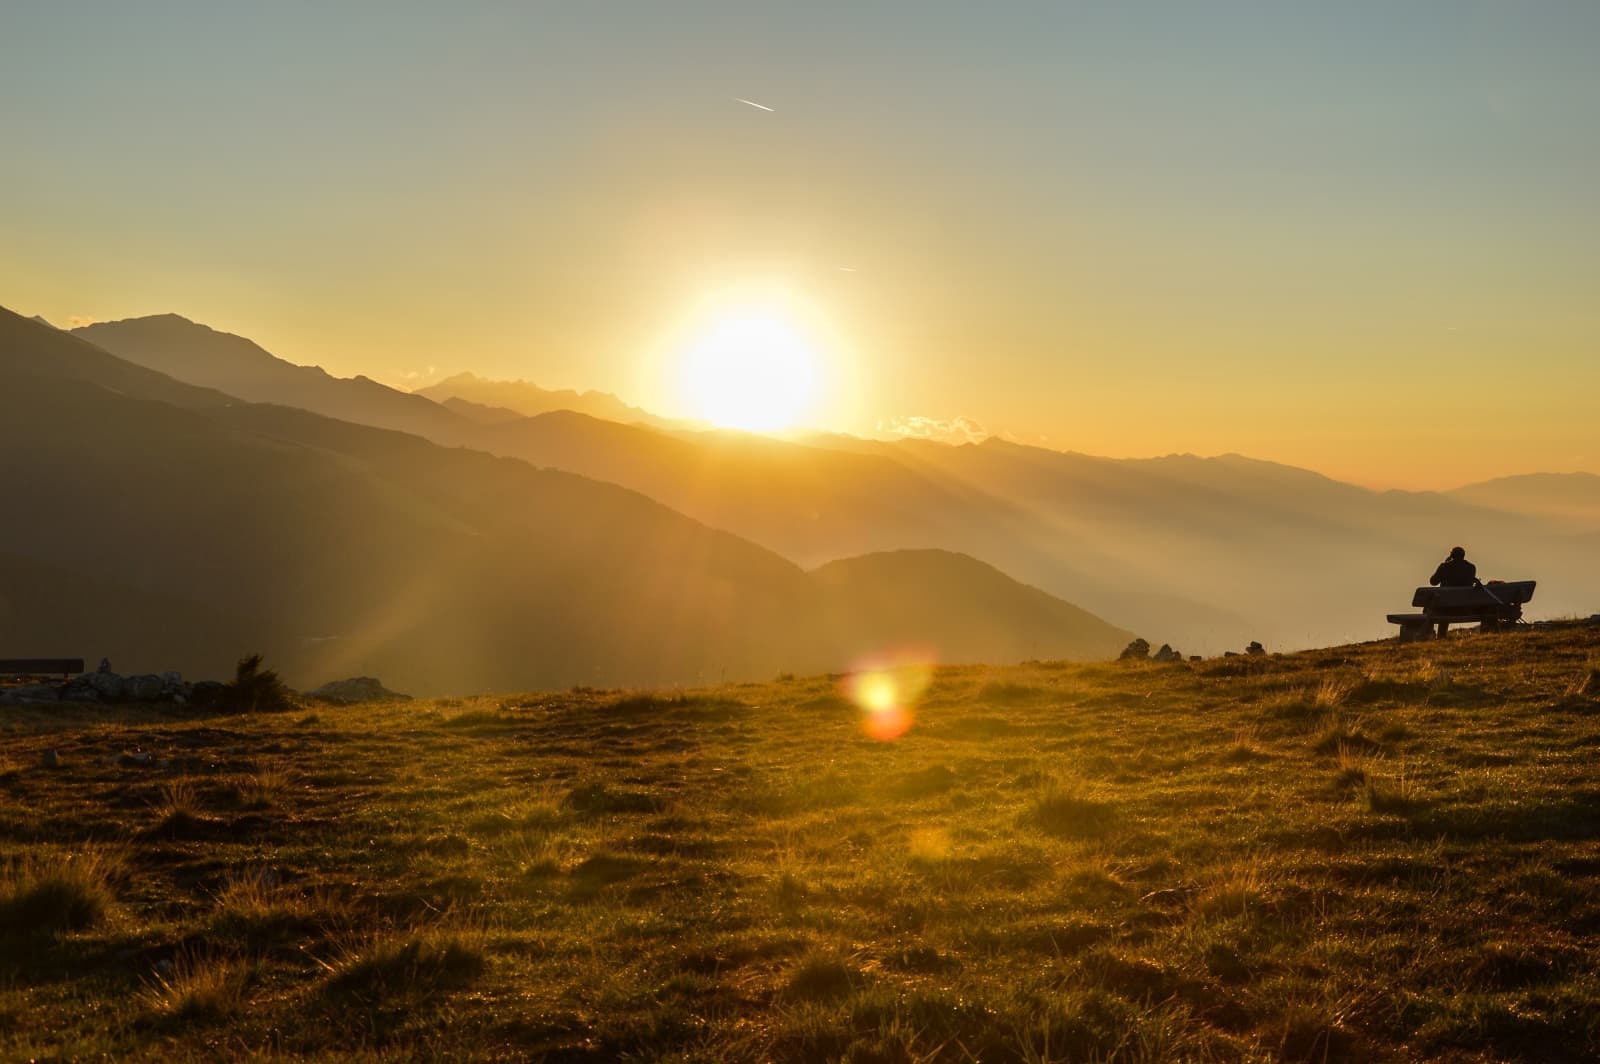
886 693
889 724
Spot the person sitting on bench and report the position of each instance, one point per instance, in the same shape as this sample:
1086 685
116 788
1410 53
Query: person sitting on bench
1455 571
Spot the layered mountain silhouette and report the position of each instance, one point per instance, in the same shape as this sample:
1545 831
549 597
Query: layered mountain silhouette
169 525
1206 553
196 354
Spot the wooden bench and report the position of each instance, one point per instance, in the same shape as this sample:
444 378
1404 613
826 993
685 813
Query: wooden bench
40 666
1491 606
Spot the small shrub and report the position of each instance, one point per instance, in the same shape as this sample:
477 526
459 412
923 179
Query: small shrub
255 689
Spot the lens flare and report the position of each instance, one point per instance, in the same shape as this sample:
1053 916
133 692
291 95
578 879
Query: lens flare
886 691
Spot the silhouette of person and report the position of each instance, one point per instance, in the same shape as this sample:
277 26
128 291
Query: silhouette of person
1454 571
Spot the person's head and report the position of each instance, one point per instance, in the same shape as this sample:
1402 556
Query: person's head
1457 553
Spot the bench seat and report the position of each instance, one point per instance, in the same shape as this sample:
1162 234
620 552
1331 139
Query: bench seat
1490 605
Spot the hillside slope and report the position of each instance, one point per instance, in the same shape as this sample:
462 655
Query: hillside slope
1363 853
941 600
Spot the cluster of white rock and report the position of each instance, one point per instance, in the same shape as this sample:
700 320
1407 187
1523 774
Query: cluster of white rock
103 685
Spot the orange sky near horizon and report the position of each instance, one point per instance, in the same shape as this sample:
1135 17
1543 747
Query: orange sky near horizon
1362 241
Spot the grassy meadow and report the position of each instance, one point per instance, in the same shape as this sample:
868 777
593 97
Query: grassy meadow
1375 852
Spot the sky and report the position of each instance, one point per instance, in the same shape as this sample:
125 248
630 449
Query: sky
1362 238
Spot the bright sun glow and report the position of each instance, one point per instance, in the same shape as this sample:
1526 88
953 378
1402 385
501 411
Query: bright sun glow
751 370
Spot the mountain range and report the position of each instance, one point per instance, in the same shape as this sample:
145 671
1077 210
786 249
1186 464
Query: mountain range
167 524
1207 553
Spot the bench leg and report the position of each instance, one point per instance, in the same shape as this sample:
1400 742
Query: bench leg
1414 631
1444 629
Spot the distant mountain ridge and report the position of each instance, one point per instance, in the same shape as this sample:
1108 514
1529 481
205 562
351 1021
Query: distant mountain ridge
1572 499
530 400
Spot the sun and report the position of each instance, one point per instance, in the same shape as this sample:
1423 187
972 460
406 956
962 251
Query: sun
751 370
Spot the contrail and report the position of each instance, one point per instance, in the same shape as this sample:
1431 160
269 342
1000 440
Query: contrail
752 103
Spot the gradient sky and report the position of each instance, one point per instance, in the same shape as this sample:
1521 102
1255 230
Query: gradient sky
1362 238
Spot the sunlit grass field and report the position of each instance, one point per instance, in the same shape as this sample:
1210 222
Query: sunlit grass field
1373 852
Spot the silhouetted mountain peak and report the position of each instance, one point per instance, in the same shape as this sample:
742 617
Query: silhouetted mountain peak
238 366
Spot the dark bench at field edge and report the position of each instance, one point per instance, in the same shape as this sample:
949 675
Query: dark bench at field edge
1488 605
40 666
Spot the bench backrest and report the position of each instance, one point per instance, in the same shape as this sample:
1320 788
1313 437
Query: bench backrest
1514 593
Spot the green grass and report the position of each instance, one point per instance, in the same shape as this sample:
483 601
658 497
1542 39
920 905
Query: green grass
1374 852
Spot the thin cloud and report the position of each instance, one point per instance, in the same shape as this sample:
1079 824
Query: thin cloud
752 103
944 430
78 321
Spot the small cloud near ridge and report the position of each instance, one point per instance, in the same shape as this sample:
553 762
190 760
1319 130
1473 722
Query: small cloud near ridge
945 430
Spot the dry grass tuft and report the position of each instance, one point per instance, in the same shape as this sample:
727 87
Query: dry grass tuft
406 964
50 893
1333 692
257 912
1394 794
262 789
1237 890
195 986
1065 813
820 977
